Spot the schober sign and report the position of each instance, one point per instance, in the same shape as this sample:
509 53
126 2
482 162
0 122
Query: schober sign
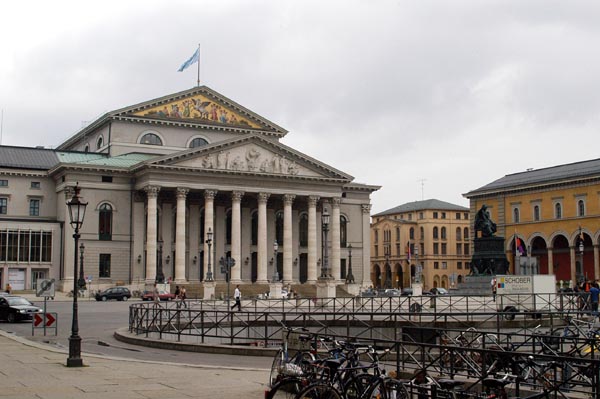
514 284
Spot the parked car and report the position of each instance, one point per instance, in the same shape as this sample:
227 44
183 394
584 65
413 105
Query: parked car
118 293
369 293
438 291
14 308
391 292
163 295
406 292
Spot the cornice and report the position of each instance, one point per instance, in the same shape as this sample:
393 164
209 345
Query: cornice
22 173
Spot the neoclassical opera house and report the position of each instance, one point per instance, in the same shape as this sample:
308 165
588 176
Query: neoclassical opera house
158 177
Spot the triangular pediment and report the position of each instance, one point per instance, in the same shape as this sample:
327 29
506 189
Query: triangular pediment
252 154
200 106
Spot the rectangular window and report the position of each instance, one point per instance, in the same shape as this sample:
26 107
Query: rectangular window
104 267
444 265
436 265
376 250
410 216
443 215
422 246
46 247
3 183
435 215
467 265
23 246
107 179
3 206
421 215
3 240
36 185
36 246
444 249
466 249
459 265
34 207
398 250
459 249
457 215
12 246
436 248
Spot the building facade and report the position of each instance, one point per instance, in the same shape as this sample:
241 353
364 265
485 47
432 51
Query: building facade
429 237
158 177
549 218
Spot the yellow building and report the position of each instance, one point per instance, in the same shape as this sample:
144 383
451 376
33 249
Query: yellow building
432 234
552 216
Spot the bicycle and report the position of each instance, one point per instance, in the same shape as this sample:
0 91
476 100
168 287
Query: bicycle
285 364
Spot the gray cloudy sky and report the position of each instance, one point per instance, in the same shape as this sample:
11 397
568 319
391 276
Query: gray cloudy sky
455 93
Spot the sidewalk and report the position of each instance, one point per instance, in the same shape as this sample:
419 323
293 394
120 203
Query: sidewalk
32 370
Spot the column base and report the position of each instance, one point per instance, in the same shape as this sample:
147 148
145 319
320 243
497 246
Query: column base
209 289
262 281
417 289
326 288
237 281
66 284
180 281
353 289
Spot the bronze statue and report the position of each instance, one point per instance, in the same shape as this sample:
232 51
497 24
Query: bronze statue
484 223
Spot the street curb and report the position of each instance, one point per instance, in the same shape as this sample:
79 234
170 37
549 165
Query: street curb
123 335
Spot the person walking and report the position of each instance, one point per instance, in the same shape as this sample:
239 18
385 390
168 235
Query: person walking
183 296
494 288
177 295
594 296
237 295
155 295
8 288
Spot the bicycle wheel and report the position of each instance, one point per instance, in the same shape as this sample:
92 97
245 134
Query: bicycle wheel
358 385
394 389
275 368
319 391
286 388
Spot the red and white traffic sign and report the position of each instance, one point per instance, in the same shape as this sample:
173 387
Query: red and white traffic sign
39 318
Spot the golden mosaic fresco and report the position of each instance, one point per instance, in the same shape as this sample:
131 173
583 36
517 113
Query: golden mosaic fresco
198 109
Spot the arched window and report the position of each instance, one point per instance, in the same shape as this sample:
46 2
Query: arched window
344 231
516 215
279 227
536 213
198 142
99 142
87 148
435 233
105 222
558 211
303 227
151 139
254 228
580 208
458 234
443 233
412 233
466 233
228 227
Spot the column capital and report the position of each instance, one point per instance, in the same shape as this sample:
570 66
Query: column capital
237 195
182 192
335 202
312 200
152 191
210 194
366 208
263 197
288 199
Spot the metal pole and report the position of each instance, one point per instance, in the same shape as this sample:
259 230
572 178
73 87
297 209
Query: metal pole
74 359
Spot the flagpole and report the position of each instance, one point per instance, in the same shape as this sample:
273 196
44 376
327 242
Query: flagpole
198 64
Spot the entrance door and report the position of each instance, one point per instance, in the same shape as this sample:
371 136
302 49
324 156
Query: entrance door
280 265
16 279
254 275
303 268
35 276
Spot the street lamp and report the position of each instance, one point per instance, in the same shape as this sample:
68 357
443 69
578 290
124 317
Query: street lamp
160 276
81 280
325 223
209 235
418 271
76 215
349 276
275 272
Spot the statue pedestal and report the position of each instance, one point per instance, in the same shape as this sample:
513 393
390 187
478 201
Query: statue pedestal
353 289
325 288
209 289
417 289
275 290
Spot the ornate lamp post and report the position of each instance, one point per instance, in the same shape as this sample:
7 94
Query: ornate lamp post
76 215
160 276
209 235
275 272
581 248
349 276
325 224
81 280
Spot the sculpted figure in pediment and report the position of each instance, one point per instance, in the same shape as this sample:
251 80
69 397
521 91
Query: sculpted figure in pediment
237 163
252 156
293 168
207 162
265 166
222 160
276 164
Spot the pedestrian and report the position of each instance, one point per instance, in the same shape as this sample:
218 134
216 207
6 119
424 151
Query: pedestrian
183 296
237 295
8 288
156 295
494 288
177 295
594 296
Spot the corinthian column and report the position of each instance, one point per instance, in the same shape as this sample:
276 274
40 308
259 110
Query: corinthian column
262 237
209 203
152 195
236 235
180 235
335 238
312 238
288 199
